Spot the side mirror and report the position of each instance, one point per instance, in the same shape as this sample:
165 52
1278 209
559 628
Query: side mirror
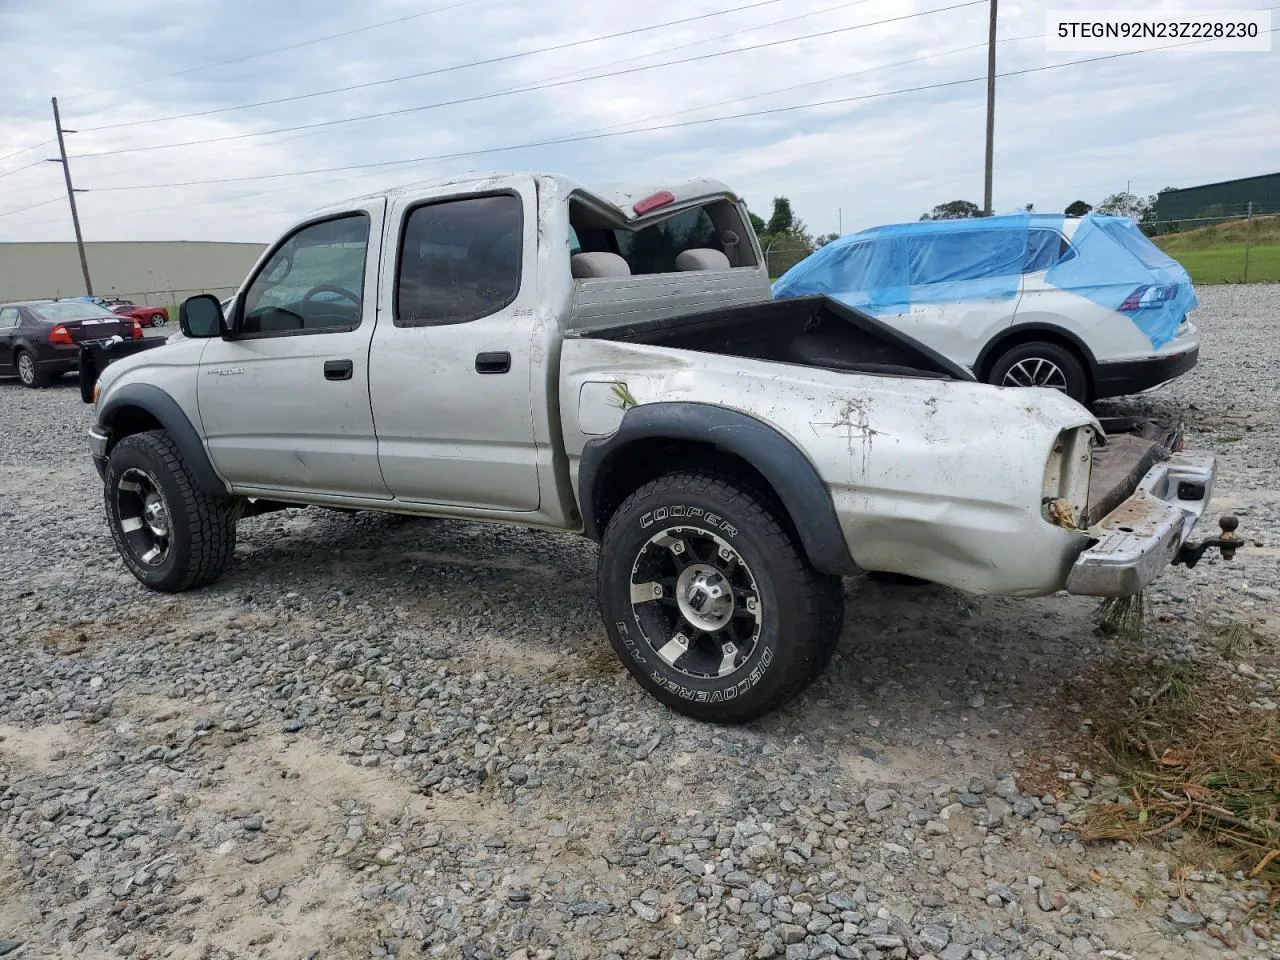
200 317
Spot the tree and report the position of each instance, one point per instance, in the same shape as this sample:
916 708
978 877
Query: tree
954 210
783 220
1125 204
822 241
1078 208
757 223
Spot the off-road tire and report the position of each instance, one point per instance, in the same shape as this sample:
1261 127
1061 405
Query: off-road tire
1075 381
29 372
202 527
802 610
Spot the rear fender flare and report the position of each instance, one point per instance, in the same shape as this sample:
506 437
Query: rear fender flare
793 478
174 420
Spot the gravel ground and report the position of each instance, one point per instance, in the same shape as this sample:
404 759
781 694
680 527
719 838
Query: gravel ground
379 737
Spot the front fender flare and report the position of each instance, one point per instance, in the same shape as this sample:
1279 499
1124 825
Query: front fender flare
794 479
174 420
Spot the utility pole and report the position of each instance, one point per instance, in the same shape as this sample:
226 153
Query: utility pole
71 197
840 220
991 109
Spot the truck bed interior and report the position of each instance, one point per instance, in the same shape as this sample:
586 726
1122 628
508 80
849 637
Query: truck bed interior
806 331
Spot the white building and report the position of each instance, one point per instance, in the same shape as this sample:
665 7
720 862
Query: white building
155 272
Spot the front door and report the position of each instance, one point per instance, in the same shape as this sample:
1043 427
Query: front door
285 398
451 368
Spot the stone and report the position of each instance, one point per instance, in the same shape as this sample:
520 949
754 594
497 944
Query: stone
645 912
878 800
934 937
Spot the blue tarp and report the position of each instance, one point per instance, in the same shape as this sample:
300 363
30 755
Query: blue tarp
885 270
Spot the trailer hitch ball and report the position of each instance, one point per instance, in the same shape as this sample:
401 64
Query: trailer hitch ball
1229 540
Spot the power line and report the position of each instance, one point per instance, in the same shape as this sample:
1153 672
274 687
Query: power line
579 138
534 87
291 46
17 153
571 74
9 173
703 106
439 70
31 206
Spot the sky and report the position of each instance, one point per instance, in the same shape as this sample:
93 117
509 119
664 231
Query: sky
129 75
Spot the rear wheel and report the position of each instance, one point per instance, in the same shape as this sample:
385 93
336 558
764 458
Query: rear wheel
29 371
1041 364
710 603
157 319
171 534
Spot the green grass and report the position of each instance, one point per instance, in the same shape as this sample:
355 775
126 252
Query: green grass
1216 253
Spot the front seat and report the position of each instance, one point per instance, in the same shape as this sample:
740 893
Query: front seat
586 266
702 258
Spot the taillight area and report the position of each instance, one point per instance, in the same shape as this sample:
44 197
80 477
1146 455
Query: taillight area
137 330
1064 499
1148 296
61 335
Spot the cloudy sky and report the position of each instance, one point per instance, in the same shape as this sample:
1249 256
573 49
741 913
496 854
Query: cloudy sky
129 74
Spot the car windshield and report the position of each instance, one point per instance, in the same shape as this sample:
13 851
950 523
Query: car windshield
71 310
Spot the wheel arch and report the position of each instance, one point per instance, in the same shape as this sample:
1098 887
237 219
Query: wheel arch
659 438
138 407
1034 332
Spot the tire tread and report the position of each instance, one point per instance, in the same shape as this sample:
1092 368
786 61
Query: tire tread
209 519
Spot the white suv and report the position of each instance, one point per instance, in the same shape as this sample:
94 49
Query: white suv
1087 306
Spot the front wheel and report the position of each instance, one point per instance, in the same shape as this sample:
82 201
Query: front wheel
710 603
171 534
1041 364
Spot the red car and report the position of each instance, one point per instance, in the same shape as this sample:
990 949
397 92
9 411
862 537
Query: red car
147 316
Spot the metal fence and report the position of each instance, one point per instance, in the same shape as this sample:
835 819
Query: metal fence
1231 243
783 256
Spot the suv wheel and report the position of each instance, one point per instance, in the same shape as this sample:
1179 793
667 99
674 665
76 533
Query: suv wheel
171 535
1041 364
29 371
709 602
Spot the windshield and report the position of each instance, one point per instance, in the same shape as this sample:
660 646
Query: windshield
70 310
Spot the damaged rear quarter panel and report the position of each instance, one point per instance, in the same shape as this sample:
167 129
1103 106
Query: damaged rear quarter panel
940 480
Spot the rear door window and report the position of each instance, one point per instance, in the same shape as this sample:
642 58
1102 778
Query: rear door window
964 255
1044 249
459 260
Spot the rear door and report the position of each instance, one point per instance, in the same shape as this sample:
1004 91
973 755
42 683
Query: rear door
451 367
285 399
963 289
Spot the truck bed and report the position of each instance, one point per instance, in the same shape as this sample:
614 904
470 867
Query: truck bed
806 331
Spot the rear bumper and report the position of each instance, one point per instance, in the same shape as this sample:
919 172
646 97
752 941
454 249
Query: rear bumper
1140 538
1133 376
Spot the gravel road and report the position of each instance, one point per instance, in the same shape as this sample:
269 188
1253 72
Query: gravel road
389 737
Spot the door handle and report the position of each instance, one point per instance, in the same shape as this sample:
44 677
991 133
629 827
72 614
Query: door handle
338 369
498 362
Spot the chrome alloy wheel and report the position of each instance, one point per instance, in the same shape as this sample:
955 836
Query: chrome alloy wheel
144 516
696 602
1036 372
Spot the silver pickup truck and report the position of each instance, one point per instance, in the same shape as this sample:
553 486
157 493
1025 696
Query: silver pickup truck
607 360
